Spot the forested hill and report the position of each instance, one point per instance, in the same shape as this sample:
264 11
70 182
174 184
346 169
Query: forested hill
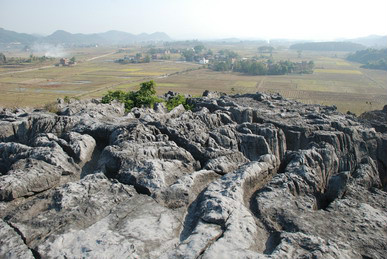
371 58
328 46
7 36
67 38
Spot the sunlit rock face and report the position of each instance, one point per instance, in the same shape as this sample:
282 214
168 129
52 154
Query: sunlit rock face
244 176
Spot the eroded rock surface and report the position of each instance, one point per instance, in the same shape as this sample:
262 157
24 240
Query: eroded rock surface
245 176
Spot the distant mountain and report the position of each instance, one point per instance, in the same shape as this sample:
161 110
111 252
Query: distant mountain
117 37
109 37
8 37
64 37
156 36
374 41
328 46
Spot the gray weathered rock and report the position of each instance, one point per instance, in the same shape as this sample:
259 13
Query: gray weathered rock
244 176
11 243
148 166
28 177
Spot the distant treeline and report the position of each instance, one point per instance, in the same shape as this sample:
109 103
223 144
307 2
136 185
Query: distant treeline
371 58
254 67
138 58
328 46
17 60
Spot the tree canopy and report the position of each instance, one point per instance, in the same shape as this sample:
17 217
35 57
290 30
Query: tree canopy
370 58
199 48
145 97
3 59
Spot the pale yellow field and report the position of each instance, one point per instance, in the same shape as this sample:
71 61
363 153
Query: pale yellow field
338 71
131 69
245 84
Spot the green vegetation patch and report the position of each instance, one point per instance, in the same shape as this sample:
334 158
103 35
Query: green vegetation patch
176 101
145 97
371 58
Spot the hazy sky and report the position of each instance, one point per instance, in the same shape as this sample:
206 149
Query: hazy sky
201 19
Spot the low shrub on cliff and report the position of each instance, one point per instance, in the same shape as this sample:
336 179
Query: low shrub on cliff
145 97
177 100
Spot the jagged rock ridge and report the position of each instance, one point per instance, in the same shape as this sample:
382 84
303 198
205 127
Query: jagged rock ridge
245 176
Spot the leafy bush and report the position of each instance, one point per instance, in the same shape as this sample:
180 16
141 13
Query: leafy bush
67 99
114 95
145 97
177 100
51 107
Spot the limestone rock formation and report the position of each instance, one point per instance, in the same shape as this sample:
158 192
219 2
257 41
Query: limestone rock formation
376 119
244 176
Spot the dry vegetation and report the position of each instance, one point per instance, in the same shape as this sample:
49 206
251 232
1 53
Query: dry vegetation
334 82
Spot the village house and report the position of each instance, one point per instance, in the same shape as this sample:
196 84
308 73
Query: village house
203 61
65 62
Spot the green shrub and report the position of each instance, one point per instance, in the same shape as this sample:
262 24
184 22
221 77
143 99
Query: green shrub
145 97
114 95
51 107
66 99
177 100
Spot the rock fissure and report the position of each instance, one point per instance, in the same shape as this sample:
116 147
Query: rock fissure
35 254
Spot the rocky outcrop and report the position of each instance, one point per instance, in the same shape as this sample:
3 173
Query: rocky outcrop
376 119
244 176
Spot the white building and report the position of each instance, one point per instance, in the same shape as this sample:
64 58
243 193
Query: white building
203 61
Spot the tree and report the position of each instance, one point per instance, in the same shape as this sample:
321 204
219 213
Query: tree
72 60
371 58
188 55
152 51
199 48
266 49
145 97
147 59
3 59
228 54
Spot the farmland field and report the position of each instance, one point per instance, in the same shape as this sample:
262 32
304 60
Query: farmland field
335 81
91 77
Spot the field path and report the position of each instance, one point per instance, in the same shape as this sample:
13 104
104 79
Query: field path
260 84
373 80
101 56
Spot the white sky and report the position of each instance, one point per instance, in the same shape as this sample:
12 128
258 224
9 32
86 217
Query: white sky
201 19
